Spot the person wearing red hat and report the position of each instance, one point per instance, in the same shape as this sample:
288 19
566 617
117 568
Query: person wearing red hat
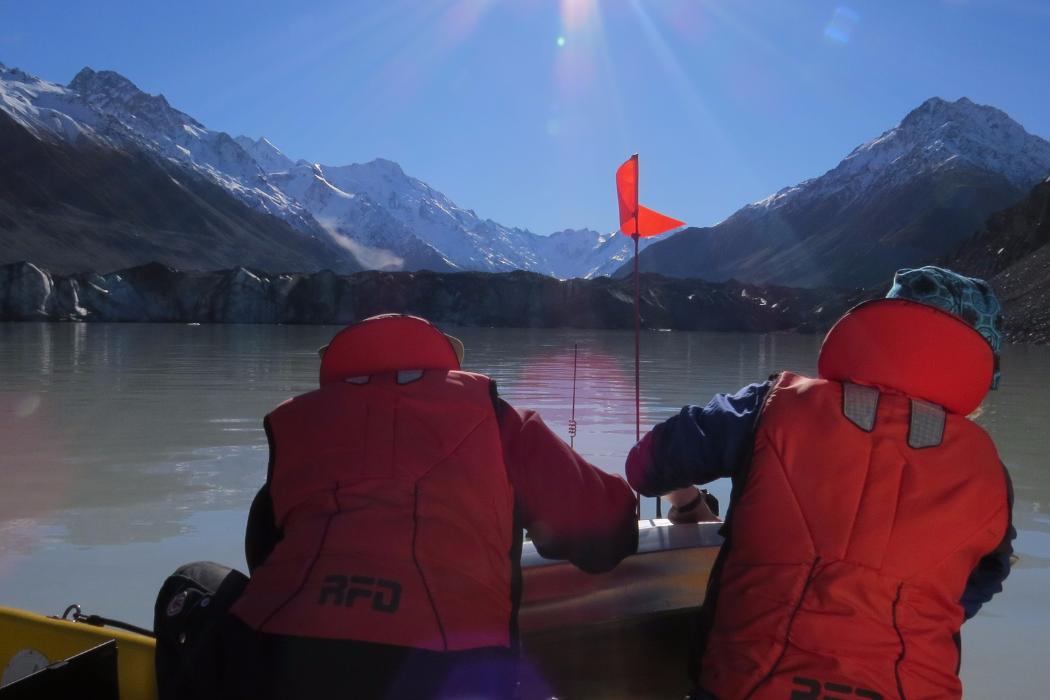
384 547
869 517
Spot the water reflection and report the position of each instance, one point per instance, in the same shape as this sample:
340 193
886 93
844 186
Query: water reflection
127 449
98 418
117 433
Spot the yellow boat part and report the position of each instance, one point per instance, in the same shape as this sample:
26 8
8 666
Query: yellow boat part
30 639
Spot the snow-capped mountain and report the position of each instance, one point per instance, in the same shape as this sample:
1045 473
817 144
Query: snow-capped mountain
571 251
53 112
360 225
373 211
182 138
461 236
399 222
91 207
909 195
269 157
937 135
396 221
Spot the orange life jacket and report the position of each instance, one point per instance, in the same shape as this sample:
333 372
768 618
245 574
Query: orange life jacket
851 538
395 506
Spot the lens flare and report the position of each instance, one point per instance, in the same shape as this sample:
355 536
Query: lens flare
462 19
576 14
674 72
842 25
432 34
580 48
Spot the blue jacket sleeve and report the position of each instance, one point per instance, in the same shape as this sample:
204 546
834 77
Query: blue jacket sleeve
987 577
698 445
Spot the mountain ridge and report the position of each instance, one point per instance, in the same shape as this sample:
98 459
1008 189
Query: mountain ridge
388 218
906 196
910 194
92 207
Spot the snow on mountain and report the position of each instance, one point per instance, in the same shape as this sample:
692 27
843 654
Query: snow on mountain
384 217
424 227
50 111
585 253
468 241
908 196
378 240
182 138
938 134
269 157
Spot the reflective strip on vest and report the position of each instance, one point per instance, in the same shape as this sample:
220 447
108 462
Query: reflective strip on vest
860 404
847 552
926 428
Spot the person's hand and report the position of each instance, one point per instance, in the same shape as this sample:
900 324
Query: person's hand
692 505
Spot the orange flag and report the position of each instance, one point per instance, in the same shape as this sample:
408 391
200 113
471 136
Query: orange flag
634 218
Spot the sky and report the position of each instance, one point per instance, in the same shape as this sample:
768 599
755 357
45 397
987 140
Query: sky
522 109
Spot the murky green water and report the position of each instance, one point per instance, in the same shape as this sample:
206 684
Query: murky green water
126 450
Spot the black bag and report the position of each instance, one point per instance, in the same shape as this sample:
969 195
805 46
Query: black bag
189 618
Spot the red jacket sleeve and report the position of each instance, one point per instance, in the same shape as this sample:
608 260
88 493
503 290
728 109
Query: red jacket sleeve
572 509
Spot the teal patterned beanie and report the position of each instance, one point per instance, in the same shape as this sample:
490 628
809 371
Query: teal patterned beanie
968 298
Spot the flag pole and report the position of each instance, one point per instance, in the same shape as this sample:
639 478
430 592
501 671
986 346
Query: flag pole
637 321
626 181
638 364
637 354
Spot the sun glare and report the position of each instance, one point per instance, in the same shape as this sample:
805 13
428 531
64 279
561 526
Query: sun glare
576 14
462 19
580 45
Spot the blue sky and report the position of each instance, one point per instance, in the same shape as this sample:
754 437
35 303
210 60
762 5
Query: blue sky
522 109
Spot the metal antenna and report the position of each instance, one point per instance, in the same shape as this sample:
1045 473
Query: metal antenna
572 417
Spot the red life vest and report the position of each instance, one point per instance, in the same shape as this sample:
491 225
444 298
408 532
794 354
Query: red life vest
851 539
394 502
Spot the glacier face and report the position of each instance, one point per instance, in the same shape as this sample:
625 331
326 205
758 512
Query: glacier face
375 211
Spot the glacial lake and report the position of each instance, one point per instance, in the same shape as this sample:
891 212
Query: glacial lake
126 450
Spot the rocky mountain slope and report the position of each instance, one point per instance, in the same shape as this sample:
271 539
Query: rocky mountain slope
1012 251
397 221
87 206
162 186
181 138
905 197
373 213
519 299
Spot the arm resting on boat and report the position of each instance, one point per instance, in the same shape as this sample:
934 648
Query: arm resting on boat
987 577
692 505
698 445
572 509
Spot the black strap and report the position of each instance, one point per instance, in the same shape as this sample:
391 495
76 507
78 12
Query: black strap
99 621
693 503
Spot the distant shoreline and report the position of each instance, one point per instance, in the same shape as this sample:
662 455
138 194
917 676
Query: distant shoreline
154 293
